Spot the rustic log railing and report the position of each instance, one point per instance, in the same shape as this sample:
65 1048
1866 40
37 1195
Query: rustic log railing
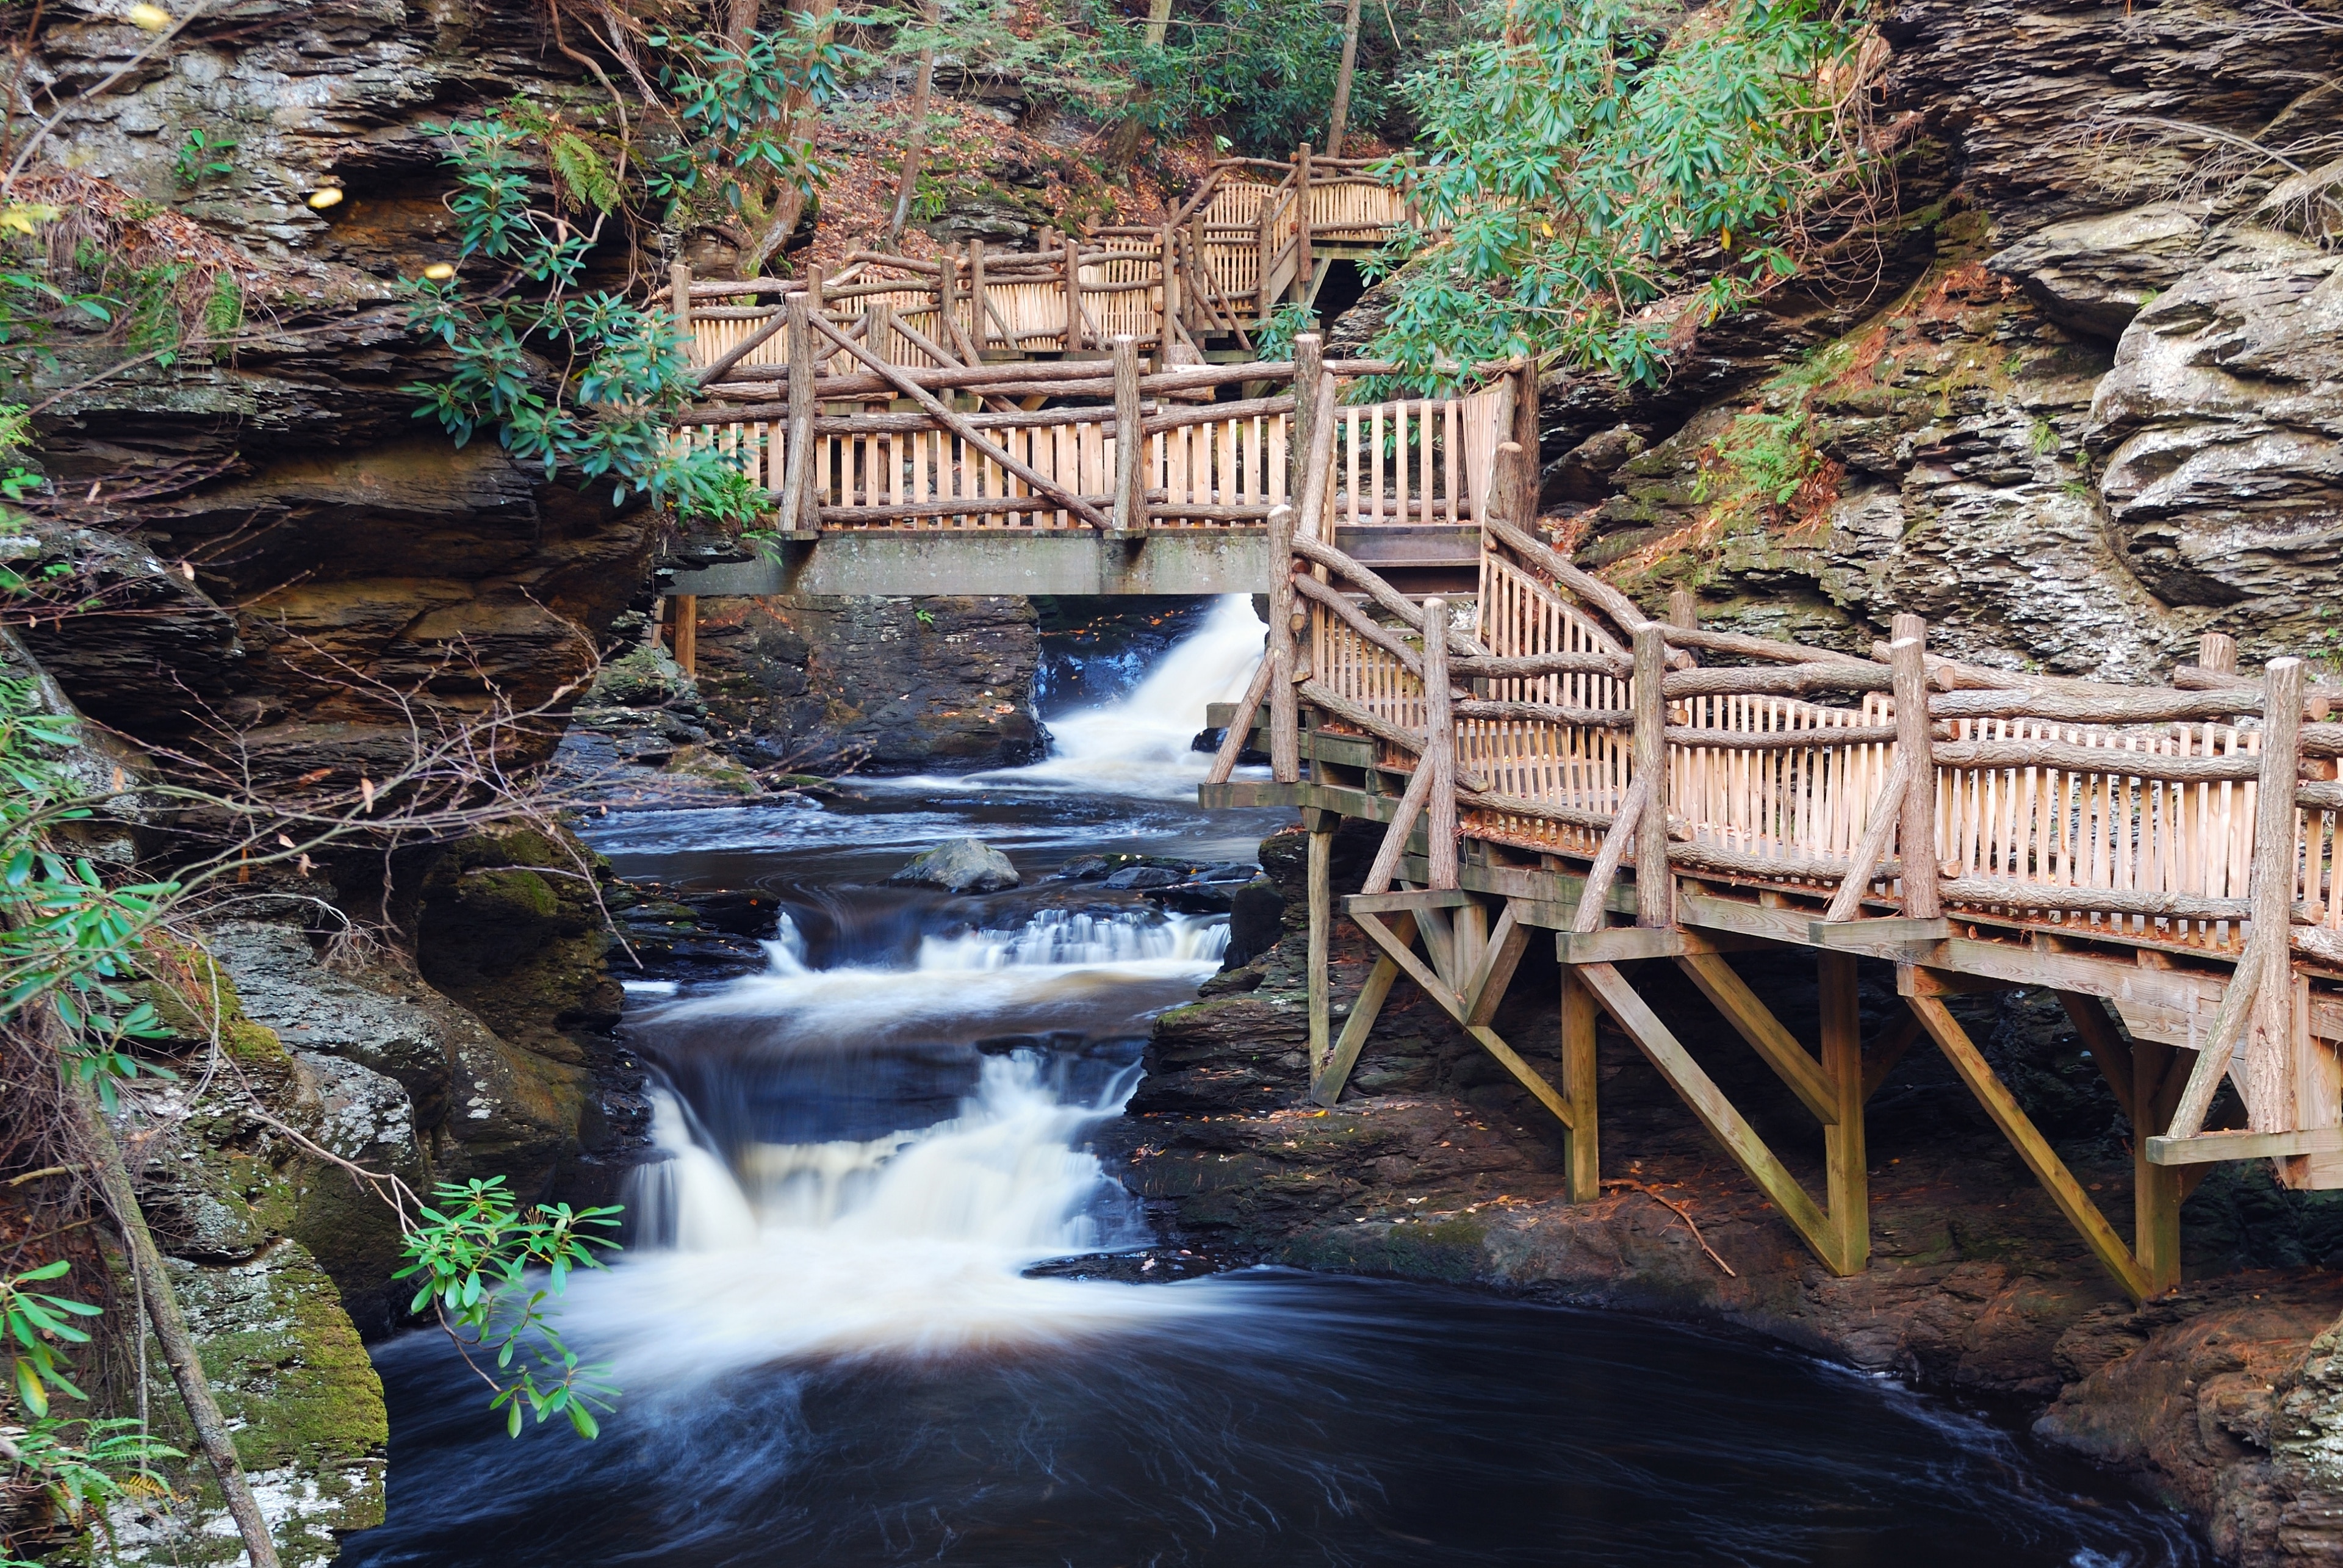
2170 852
1200 464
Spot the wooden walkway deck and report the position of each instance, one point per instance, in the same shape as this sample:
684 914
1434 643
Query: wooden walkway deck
1558 766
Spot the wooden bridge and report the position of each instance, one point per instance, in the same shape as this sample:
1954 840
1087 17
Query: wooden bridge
1558 766
1089 417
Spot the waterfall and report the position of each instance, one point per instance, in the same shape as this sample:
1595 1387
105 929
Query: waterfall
1056 963
1139 745
687 1200
913 1243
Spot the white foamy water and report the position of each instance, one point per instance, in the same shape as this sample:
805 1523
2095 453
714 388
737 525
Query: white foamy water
910 1244
1139 745
1055 961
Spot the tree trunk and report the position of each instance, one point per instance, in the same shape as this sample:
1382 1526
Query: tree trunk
790 201
915 150
1343 80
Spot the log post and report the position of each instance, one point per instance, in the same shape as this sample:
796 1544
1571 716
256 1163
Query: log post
1264 238
1681 610
880 335
1076 338
1915 833
976 300
799 506
2155 1189
1321 881
1656 904
1164 334
1309 364
1200 269
678 300
1439 747
1301 259
2269 1059
2217 652
1130 445
1844 1155
1525 437
1284 718
1581 1154
816 275
946 288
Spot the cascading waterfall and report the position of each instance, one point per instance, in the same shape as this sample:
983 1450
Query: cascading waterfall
1140 744
914 1243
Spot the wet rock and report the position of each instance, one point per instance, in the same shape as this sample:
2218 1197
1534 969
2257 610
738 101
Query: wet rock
1142 877
1256 917
960 866
2092 275
882 685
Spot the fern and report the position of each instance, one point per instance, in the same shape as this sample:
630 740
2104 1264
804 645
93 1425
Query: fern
585 178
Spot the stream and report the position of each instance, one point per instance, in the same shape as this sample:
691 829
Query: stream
833 1350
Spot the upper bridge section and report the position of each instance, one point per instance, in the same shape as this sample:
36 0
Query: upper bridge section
898 479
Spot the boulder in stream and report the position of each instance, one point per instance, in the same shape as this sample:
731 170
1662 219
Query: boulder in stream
960 866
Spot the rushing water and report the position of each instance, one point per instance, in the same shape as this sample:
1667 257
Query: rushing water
834 1353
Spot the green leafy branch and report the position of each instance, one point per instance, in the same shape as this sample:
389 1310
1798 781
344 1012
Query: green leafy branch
1576 160
474 1255
565 377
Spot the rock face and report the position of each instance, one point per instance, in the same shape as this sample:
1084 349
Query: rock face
2088 412
881 686
960 866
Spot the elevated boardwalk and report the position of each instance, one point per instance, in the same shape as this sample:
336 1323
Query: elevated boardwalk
1561 767
1089 417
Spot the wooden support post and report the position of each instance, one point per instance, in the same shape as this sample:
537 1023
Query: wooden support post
1654 887
1264 237
1200 273
801 496
2141 1073
1284 715
817 278
1708 1103
2290 1083
1164 334
687 632
978 305
1301 259
1681 610
1328 1076
1581 1154
1845 1158
1321 890
1439 748
1527 499
678 303
1129 445
1338 120
878 334
946 295
2032 1147
2216 653
1916 837
1077 334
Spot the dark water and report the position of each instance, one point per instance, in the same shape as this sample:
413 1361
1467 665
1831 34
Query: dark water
1323 1420
875 1382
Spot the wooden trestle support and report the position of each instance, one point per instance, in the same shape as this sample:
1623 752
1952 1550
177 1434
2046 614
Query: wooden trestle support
1567 770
